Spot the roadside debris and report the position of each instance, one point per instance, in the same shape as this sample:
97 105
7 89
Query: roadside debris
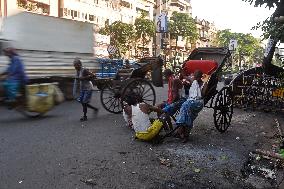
197 170
165 162
268 154
190 162
224 157
123 153
280 133
263 164
88 181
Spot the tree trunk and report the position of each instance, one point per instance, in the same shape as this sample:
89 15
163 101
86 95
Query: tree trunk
240 60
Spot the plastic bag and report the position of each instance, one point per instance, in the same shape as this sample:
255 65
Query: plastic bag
40 97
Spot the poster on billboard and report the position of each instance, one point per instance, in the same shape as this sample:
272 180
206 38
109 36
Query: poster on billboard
233 45
162 23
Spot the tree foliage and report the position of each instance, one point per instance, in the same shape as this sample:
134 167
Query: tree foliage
267 3
269 26
181 24
144 29
249 48
121 35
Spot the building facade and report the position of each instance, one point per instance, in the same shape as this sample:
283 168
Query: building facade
97 12
45 7
101 12
168 7
207 33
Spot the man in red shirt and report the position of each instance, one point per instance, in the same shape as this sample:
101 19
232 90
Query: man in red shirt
174 100
174 86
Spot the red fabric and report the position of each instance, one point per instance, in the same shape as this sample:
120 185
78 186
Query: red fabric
170 91
206 66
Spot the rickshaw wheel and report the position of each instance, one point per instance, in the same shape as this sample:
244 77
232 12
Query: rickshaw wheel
143 89
110 99
223 109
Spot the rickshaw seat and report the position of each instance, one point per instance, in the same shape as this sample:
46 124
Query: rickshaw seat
206 66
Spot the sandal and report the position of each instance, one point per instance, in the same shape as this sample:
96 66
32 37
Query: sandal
84 118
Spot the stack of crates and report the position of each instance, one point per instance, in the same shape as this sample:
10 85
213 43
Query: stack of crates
108 68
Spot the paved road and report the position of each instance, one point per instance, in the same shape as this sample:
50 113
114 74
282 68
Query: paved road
45 152
57 151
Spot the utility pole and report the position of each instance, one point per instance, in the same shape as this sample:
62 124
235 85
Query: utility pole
160 34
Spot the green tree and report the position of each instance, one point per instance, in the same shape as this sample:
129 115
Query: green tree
258 54
181 24
224 36
269 26
249 48
144 30
269 3
121 35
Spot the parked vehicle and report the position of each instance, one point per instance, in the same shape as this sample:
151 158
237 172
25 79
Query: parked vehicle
48 46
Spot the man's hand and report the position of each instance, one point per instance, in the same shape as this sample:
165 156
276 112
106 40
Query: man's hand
205 78
155 109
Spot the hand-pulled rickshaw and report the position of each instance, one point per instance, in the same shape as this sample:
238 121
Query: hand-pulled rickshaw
263 87
209 60
114 89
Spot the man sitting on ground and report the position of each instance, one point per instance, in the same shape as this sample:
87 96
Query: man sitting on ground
137 114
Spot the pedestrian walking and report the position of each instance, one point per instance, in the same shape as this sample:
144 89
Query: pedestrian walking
14 78
83 81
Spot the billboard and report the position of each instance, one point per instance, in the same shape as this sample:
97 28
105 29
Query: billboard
161 23
233 45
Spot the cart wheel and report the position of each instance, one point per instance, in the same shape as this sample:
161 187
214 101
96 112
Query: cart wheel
110 98
143 89
223 109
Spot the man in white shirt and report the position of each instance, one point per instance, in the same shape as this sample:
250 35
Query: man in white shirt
192 106
137 114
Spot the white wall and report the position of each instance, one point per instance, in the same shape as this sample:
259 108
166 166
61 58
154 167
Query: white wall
54 8
37 32
12 7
